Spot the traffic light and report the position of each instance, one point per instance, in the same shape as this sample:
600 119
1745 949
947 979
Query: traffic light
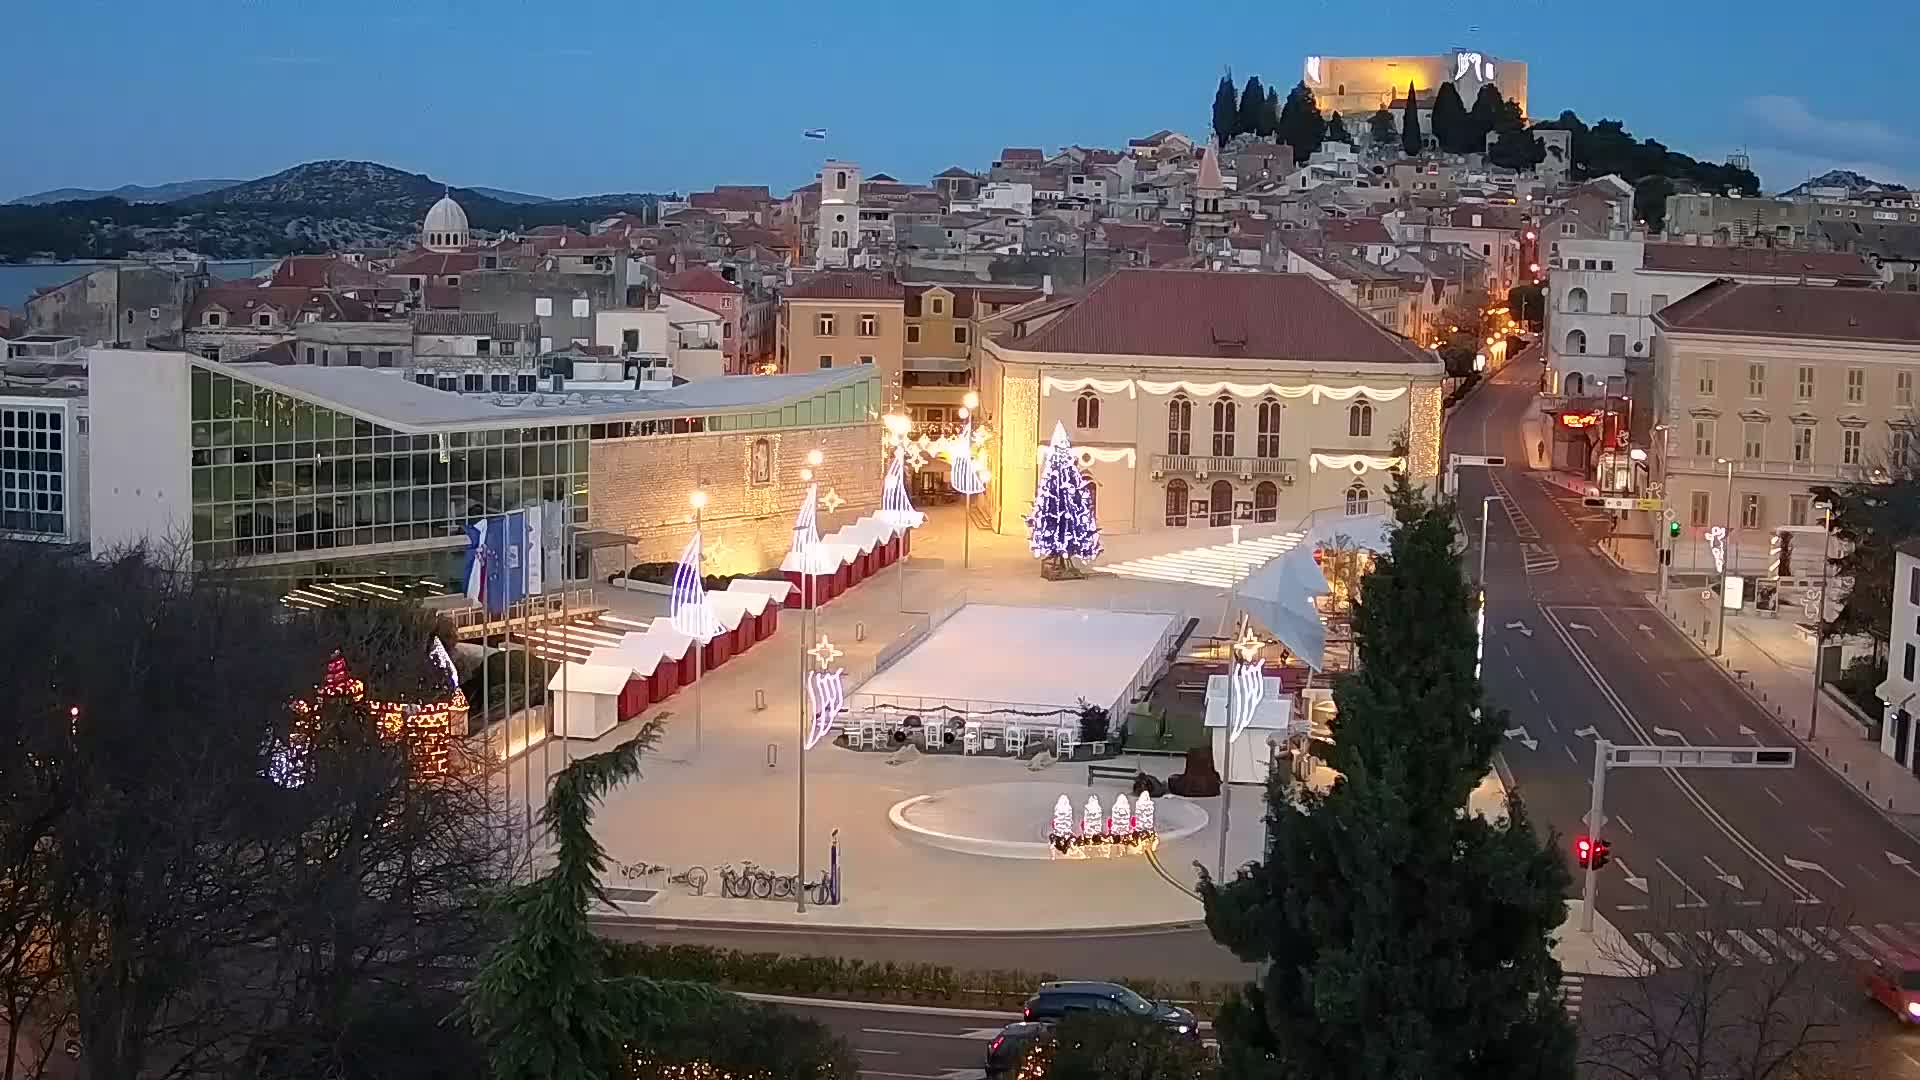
1583 851
1601 853
1673 529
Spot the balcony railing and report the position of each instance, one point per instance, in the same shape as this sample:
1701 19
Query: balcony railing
1206 465
1803 470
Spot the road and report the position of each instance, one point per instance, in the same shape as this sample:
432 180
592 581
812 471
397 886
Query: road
911 1044
1715 866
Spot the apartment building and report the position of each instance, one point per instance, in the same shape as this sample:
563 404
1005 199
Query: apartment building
1766 390
843 318
944 326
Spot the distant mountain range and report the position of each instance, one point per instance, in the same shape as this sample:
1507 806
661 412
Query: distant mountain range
318 206
1853 182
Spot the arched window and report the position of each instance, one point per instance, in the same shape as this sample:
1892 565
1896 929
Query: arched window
1266 502
1223 416
1357 496
1093 495
1267 443
1179 426
1220 504
1577 300
1575 385
1086 412
1576 342
1177 502
1360 419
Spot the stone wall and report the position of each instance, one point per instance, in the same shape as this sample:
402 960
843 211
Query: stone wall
639 487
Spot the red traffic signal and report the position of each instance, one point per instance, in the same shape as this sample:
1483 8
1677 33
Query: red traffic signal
1591 854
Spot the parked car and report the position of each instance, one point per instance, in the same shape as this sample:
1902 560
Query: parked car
1055 1000
1010 1048
1893 980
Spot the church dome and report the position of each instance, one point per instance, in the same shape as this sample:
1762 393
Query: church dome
445 228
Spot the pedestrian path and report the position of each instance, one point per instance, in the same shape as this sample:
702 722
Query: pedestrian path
1740 946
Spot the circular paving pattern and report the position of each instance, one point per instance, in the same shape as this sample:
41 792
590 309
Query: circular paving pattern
1011 821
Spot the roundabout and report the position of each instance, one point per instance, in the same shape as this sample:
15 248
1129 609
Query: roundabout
1014 820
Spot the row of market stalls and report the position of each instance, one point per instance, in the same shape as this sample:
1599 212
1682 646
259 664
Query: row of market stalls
616 681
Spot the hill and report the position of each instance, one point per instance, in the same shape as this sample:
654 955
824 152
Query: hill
129 193
318 206
1852 182
512 196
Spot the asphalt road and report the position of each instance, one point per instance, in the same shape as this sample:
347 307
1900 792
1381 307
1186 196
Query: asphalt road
1774 867
916 1044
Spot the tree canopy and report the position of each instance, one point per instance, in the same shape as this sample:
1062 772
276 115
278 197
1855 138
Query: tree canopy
1451 127
1381 127
1401 936
1412 141
1252 116
1337 130
1608 147
1226 111
1871 519
1301 126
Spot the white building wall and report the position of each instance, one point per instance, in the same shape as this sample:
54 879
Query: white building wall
1902 688
139 487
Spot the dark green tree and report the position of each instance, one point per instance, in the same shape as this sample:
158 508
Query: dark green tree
1272 116
1252 118
1484 117
1451 128
1528 303
1111 1046
1337 130
1411 139
1650 201
1870 519
1381 127
1226 111
1301 125
1400 935
1517 150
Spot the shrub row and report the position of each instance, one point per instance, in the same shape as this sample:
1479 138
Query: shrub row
886 981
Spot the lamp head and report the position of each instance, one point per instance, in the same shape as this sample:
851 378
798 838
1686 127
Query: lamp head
815 457
971 401
697 500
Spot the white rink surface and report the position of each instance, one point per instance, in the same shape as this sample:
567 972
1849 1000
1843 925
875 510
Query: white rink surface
1027 655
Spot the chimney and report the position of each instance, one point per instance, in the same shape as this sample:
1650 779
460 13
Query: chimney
1046 285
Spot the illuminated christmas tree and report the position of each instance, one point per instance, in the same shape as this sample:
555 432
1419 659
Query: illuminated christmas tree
1062 527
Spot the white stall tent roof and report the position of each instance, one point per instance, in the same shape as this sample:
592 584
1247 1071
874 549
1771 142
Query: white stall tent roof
578 678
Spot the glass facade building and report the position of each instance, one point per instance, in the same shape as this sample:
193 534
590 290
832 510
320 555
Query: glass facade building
33 469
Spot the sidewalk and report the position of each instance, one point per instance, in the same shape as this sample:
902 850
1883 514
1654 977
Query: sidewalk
1769 659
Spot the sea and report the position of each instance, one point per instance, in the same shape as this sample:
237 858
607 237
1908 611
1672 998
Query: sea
21 280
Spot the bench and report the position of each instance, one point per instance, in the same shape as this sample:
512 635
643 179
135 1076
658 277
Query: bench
1110 772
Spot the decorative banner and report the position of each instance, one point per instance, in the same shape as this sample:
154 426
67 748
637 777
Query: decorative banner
1249 688
826 700
1315 391
688 609
1354 463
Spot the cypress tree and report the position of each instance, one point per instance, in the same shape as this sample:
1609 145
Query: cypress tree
1271 120
1337 130
1253 109
1401 936
1226 113
1485 114
1301 125
1410 137
1381 127
1451 129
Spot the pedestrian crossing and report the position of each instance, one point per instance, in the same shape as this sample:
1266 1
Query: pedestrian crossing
1573 992
1539 559
1740 946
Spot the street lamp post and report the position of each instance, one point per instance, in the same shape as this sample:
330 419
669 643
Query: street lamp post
1820 616
968 404
1733 558
897 426
1244 650
807 555
698 500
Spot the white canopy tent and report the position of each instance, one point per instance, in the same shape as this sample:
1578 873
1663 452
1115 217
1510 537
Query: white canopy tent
1254 749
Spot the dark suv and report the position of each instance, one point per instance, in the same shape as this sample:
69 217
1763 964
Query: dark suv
1055 1000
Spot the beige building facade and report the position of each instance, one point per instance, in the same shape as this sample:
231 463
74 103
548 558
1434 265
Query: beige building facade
1201 400
845 318
1770 390
945 326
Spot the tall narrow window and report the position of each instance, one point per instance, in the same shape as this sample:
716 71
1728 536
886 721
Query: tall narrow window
1903 388
1267 441
1360 419
1856 385
1220 504
1357 498
1850 446
869 324
1223 421
823 324
1180 426
1699 506
1757 380
1576 342
1703 438
1803 383
1176 502
1706 375
1266 502
1086 412
1754 439
1802 444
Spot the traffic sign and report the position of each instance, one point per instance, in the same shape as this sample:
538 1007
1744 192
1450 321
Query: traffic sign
1494 461
1621 502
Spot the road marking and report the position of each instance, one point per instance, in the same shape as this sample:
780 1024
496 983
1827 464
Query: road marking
1517 671
1525 739
1577 627
1698 901
1638 655
870 1050
1669 733
1718 947
1873 943
1726 878
1871 876
972 1034
1893 934
1844 942
1803 937
1683 703
1820 833
1570 755
1662 676
1585 733
1555 728
1776 799
1746 942
1534 694
1802 864
1636 882
1504 649
1522 627
1780 945
1904 864
1624 825
1651 944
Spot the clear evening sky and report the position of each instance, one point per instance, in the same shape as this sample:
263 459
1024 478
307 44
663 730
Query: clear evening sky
563 98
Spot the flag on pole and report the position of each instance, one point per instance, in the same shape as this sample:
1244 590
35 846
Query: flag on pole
477 561
689 611
536 549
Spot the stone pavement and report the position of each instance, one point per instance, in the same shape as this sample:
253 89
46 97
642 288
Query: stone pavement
1774 664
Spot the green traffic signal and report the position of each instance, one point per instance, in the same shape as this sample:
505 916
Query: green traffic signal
1673 529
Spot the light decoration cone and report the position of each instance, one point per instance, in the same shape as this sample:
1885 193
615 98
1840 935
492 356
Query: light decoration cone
1093 818
1062 821
1120 821
895 507
1249 683
689 611
967 475
1143 814
1127 829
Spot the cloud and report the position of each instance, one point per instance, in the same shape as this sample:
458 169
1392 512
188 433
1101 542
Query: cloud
1789 141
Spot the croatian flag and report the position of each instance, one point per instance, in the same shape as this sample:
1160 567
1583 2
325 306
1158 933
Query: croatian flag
497 556
477 561
688 608
815 133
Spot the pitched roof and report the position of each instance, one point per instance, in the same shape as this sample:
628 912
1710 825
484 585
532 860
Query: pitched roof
1198 313
325 272
435 263
240 299
1817 312
699 279
1209 178
1778 262
1022 153
1366 230
845 285
953 171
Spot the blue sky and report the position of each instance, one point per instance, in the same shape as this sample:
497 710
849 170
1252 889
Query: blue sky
565 98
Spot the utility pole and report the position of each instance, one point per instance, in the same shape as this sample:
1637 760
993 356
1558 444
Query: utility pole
1733 554
1820 616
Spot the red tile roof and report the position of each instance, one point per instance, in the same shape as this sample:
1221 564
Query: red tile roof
1820 312
699 279
325 272
1022 153
441 297
435 263
846 285
739 201
1242 316
241 301
1357 231
1777 262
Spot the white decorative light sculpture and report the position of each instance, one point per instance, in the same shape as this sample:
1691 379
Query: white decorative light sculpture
1120 822
1249 683
826 691
1143 814
1092 818
1062 821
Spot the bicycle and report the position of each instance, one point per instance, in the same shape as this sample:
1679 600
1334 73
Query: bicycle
735 884
639 870
759 881
693 877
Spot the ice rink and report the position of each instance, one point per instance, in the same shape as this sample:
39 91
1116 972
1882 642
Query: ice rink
1027 656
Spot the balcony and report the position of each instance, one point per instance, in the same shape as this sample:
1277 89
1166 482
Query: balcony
1247 467
1784 470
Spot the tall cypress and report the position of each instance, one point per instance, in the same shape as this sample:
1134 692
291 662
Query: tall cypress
1451 128
1484 117
1400 936
1301 125
1226 110
1253 108
1337 130
1410 138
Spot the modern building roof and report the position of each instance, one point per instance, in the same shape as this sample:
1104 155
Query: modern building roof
1775 262
1814 312
392 401
845 285
1242 316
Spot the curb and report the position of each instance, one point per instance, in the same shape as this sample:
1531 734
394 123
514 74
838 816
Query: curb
669 922
1892 817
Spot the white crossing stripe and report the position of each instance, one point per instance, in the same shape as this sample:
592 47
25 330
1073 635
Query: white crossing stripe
1873 943
1812 943
1845 943
1651 944
1572 992
1746 942
1895 937
1681 946
1719 947
1780 945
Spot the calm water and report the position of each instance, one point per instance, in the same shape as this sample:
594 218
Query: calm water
19 282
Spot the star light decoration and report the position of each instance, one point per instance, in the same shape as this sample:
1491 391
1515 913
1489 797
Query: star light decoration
832 500
1128 829
826 690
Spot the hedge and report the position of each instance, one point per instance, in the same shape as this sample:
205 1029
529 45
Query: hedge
886 981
